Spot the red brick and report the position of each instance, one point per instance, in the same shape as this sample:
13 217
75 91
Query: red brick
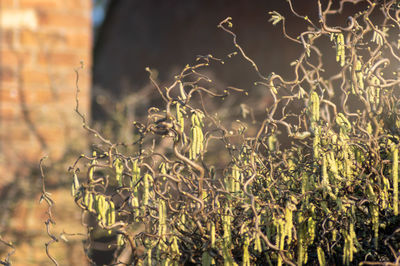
7 74
29 38
40 3
66 5
40 102
27 140
40 114
7 112
79 40
29 211
52 134
8 58
62 83
39 96
83 84
8 85
43 113
73 59
7 3
85 4
56 40
35 77
42 39
21 133
70 59
7 38
28 150
84 74
48 54
12 58
64 20
16 130
9 95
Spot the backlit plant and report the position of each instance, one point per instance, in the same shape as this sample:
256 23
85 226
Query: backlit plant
317 183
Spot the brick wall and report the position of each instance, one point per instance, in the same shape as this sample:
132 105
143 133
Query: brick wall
41 43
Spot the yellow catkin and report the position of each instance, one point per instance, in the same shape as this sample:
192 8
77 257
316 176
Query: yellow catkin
119 168
325 179
196 135
359 74
272 87
212 234
120 240
344 123
395 177
162 212
353 241
101 208
146 187
75 186
301 238
321 256
193 144
200 137
373 90
146 191
86 199
346 249
311 229
385 193
96 206
90 202
175 246
91 171
304 183
162 248
333 166
375 224
314 98
314 110
149 257
182 91
311 224
374 212
340 48
246 254
349 248
289 222
257 244
272 142
227 239
235 179
135 204
135 175
134 184
280 238
111 213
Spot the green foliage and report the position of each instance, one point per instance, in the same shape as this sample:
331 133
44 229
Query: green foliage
317 183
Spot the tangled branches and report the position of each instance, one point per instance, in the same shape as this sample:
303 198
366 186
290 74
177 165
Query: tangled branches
317 182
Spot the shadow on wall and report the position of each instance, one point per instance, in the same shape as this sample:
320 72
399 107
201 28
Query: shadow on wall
41 43
39 48
35 124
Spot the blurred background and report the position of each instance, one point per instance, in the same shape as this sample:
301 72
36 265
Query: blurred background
46 45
